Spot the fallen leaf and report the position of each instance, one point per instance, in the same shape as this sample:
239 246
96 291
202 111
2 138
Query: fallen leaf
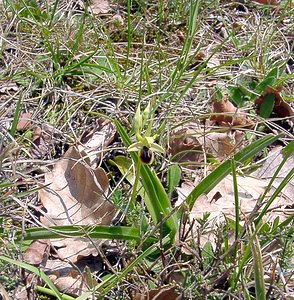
39 147
24 122
222 205
267 2
281 108
73 284
37 252
191 142
44 139
94 142
76 194
224 113
162 293
271 164
96 6
100 7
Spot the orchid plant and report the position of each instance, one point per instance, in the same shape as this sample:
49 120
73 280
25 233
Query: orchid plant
145 143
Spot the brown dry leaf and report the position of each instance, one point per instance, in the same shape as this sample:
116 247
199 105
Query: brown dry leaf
93 143
74 284
222 145
189 143
219 202
69 280
75 194
96 6
24 122
281 108
39 148
162 293
227 114
267 2
100 7
37 252
269 167
44 138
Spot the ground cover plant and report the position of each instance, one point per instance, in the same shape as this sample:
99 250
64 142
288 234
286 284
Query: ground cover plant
146 149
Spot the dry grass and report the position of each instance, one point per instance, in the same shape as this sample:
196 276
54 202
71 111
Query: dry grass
175 63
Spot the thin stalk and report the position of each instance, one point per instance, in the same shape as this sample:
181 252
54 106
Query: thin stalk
135 186
129 35
236 194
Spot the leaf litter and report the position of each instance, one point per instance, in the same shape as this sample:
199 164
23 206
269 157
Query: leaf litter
74 194
220 203
68 181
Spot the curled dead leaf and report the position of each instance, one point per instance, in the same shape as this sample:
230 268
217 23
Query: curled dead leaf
74 284
225 113
94 142
37 252
24 122
40 148
190 144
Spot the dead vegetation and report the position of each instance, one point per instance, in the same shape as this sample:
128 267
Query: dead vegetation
91 219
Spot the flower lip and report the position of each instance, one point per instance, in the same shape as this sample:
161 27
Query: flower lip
146 155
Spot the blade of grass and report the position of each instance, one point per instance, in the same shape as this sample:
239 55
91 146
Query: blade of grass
130 31
236 197
173 178
114 279
51 293
281 186
17 112
287 151
100 232
258 267
224 169
38 272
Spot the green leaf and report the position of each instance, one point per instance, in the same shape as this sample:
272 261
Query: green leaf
207 253
258 268
36 271
267 106
269 80
124 165
237 95
99 232
210 181
157 202
173 178
138 121
289 149
13 128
